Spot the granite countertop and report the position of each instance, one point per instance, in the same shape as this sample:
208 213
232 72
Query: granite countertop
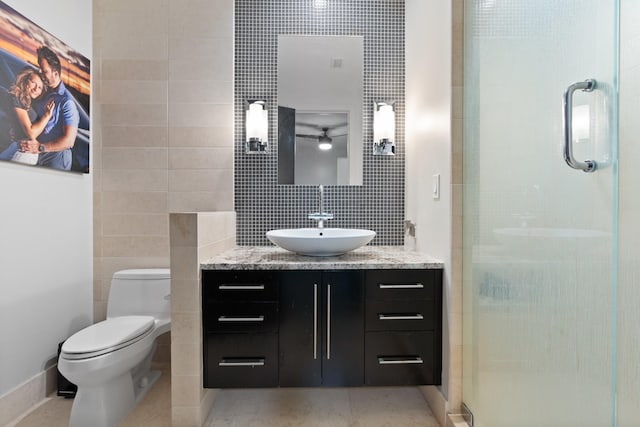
274 258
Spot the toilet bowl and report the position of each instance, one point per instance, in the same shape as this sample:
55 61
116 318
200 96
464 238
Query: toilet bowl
110 361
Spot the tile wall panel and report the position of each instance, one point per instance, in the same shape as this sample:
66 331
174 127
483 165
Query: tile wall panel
261 204
163 140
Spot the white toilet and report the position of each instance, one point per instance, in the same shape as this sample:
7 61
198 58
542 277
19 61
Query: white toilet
110 361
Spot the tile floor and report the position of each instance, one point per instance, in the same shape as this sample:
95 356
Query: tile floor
318 407
308 407
153 411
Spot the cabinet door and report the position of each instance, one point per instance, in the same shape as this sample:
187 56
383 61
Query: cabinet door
299 334
343 328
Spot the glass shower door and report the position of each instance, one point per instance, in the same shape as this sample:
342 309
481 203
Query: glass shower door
539 279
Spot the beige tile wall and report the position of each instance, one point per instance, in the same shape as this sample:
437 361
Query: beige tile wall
455 304
162 75
195 237
163 125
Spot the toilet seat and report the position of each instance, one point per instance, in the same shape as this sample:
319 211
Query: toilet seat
107 336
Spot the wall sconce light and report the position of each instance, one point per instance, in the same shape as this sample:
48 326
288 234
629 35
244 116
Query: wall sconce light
256 127
384 128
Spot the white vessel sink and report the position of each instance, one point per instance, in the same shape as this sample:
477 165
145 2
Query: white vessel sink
320 242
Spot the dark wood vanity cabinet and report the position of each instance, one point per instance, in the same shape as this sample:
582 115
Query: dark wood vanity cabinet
302 328
240 328
321 328
403 330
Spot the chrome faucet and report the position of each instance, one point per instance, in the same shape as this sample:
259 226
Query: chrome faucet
321 216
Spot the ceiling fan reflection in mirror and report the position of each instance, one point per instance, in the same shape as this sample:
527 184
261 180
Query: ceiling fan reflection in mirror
325 141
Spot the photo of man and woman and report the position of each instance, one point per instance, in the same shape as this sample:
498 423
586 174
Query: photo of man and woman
44 97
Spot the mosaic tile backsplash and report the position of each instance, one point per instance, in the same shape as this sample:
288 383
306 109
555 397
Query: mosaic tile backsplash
262 204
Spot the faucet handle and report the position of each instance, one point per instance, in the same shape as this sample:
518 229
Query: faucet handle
320 216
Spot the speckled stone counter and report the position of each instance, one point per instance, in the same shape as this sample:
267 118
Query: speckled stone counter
274 258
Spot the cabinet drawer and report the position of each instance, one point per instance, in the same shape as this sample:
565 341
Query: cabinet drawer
399 315
241 317
239 286
241 360
402 358
403 284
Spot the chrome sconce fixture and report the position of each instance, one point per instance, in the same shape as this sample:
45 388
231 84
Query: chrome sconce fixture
384 128
256 127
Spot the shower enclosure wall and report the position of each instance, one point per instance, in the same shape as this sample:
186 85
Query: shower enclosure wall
550 261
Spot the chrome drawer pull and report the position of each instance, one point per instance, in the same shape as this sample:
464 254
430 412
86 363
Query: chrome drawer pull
226 287
240 319
399 361
401 286
242 362
416 316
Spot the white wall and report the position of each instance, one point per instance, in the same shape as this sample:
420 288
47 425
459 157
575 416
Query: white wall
428 136
45 235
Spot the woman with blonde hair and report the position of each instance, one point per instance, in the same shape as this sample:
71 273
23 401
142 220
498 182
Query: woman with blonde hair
25 123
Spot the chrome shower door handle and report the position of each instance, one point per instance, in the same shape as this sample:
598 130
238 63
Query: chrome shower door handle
567 122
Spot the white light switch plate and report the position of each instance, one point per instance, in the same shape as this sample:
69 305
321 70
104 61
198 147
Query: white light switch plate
435 185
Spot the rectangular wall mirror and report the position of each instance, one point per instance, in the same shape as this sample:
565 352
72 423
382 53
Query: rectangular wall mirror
320 91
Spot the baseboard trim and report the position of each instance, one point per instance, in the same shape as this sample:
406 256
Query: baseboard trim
16 403
456 420
436 402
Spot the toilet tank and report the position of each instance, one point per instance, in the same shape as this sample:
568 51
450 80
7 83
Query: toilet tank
143 292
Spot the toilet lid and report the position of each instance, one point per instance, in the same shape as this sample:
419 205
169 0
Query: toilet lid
106 336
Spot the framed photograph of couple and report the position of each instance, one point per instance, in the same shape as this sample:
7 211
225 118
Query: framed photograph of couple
44 97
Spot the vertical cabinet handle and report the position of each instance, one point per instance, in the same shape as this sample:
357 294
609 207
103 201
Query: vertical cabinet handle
315 321
567 123
328 321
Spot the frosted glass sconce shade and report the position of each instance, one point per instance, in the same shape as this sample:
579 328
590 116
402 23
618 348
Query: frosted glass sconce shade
256 127
384 129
